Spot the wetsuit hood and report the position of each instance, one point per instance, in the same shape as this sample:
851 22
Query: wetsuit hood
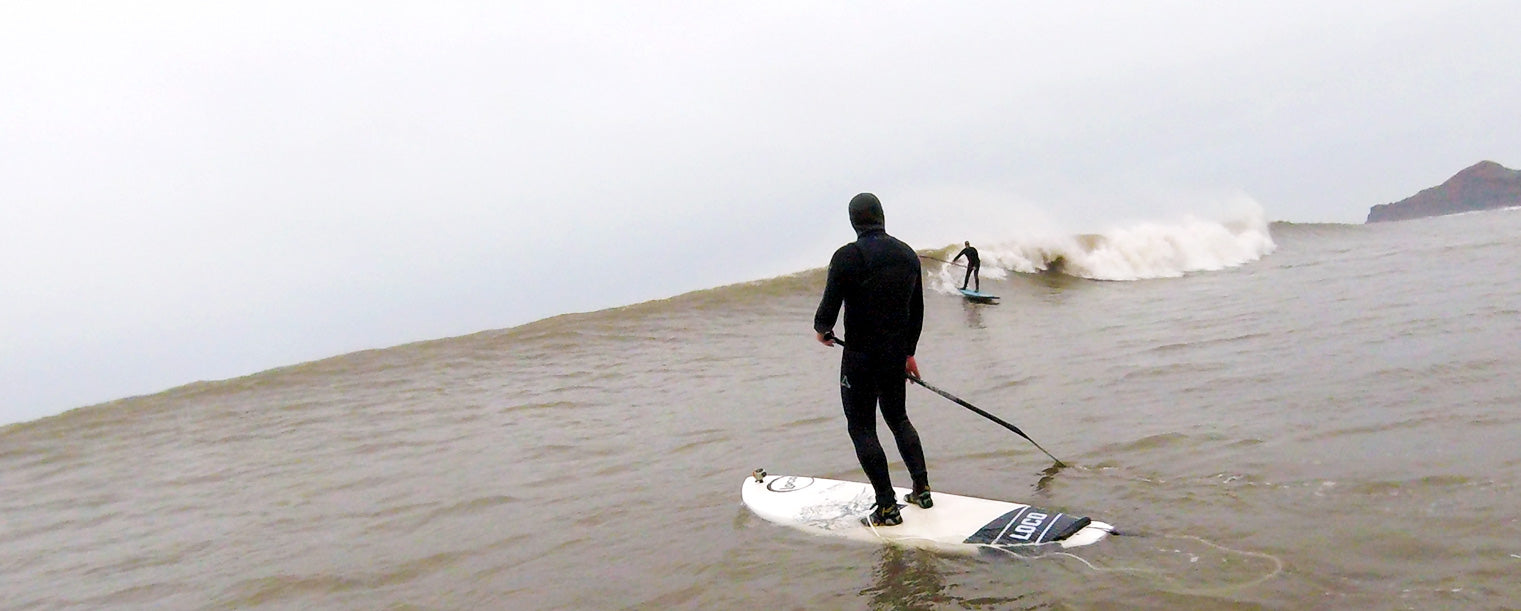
866 213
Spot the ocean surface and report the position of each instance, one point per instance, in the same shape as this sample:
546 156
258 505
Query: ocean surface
1276 416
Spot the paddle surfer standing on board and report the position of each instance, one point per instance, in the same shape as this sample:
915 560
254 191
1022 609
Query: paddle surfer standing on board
973 265
877 279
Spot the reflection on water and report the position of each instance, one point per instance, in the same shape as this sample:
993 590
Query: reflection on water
906 578
973 314
1043 485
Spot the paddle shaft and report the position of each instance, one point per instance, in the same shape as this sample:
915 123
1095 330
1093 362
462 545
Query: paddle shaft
975 409
959 401
942 260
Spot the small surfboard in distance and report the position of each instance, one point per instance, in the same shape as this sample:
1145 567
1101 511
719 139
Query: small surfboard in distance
978 296
955 523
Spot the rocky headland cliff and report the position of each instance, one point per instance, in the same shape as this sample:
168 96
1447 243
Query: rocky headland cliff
1483 186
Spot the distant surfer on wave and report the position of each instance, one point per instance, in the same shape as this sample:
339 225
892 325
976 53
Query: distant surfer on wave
973 265
878 280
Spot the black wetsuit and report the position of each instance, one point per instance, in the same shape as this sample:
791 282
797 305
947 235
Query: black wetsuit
973 264
878 280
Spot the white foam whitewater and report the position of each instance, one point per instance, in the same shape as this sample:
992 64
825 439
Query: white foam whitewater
1144 250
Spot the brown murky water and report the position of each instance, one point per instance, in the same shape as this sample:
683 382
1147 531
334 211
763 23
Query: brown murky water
1333 426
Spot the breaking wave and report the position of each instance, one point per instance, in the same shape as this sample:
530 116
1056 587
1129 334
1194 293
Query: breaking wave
1136 252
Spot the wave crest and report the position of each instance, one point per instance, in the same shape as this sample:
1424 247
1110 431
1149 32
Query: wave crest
1137 252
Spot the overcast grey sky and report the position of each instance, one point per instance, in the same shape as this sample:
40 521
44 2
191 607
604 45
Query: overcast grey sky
202 190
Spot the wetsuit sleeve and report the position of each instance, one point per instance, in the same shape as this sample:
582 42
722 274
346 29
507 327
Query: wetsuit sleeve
959 255
916 314
834 291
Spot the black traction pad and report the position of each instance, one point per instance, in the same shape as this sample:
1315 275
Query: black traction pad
1028 525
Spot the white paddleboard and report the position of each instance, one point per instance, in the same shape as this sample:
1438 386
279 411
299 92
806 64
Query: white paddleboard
955 523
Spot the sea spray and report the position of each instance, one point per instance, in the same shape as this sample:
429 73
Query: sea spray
1140 251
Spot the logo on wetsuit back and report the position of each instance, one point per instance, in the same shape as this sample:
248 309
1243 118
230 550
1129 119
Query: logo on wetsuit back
844 382
789 483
